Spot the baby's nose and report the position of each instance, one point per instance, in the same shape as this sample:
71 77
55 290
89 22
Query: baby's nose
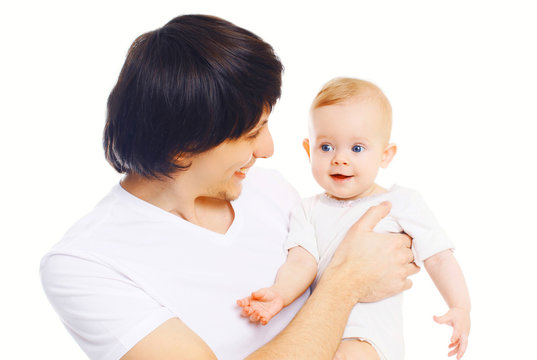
339 161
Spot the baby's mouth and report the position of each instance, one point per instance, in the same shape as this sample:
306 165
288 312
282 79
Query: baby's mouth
340 176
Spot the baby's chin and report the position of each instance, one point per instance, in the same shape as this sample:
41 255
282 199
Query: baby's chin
349 194
343 195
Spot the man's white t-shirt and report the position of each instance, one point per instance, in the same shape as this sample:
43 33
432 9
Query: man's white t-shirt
128 266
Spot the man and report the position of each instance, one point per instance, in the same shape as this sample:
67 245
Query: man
153 271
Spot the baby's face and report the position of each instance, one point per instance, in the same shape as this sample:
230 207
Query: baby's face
347 146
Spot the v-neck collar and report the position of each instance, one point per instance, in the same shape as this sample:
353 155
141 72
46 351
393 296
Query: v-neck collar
156 213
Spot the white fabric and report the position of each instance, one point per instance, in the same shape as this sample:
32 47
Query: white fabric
128 266
320 223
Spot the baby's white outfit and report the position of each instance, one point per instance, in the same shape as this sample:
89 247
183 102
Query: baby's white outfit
321 222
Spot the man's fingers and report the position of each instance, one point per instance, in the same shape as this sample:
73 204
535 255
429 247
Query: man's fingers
408 284
404 240
411 269
372 216
408 256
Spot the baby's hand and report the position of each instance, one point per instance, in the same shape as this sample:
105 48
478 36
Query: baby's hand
459 319
262 305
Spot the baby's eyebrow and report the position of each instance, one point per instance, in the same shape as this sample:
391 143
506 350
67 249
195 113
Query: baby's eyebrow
353 140
323 137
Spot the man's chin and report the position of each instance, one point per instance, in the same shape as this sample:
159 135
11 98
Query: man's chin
230 195
227 196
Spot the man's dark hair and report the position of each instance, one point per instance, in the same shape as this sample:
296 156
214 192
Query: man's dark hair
184 89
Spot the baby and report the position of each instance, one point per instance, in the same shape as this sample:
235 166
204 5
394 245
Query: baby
349 140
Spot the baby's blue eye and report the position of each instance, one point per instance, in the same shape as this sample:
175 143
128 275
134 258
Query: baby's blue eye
326 147
357 148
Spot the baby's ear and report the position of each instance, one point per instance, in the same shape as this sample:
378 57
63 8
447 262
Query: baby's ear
306 146
387 155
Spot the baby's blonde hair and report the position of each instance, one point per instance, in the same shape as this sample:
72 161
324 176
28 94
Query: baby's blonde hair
342 89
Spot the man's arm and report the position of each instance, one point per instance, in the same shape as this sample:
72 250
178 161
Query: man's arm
172 340
366 267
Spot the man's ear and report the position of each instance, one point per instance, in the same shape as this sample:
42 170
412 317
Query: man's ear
387 155
306 146
183 159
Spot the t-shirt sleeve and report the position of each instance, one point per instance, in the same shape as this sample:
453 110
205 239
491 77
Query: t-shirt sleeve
301 231
418 221
105 312
271 184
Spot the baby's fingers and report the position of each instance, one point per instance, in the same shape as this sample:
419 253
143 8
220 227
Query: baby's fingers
455 349
444 319
454 343
259 294
464 344
247 311
243 302
254 317
456 335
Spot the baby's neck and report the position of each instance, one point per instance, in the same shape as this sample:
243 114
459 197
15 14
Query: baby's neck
373 190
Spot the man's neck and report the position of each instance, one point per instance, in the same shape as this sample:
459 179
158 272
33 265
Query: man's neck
176 197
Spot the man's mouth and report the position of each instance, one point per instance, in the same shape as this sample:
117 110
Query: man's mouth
243 170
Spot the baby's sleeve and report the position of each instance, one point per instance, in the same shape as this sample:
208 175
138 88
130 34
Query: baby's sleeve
104 310
301 230
418 221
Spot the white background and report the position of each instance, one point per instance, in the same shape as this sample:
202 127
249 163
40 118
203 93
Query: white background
462 79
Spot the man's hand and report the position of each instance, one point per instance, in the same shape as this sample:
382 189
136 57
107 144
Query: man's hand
376 265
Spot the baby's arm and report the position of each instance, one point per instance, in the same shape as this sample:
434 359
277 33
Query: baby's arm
448 278
293 278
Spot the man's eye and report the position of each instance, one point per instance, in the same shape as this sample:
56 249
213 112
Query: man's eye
326 147
358 148
254 135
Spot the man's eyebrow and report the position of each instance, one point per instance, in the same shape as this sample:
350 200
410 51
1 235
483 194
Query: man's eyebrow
262 124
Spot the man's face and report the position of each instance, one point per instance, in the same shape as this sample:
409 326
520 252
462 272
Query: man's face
220 171
347 146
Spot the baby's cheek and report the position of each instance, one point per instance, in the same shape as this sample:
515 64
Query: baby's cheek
317 167
319 174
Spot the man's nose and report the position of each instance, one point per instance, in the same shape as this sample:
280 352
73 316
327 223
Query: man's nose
264 147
